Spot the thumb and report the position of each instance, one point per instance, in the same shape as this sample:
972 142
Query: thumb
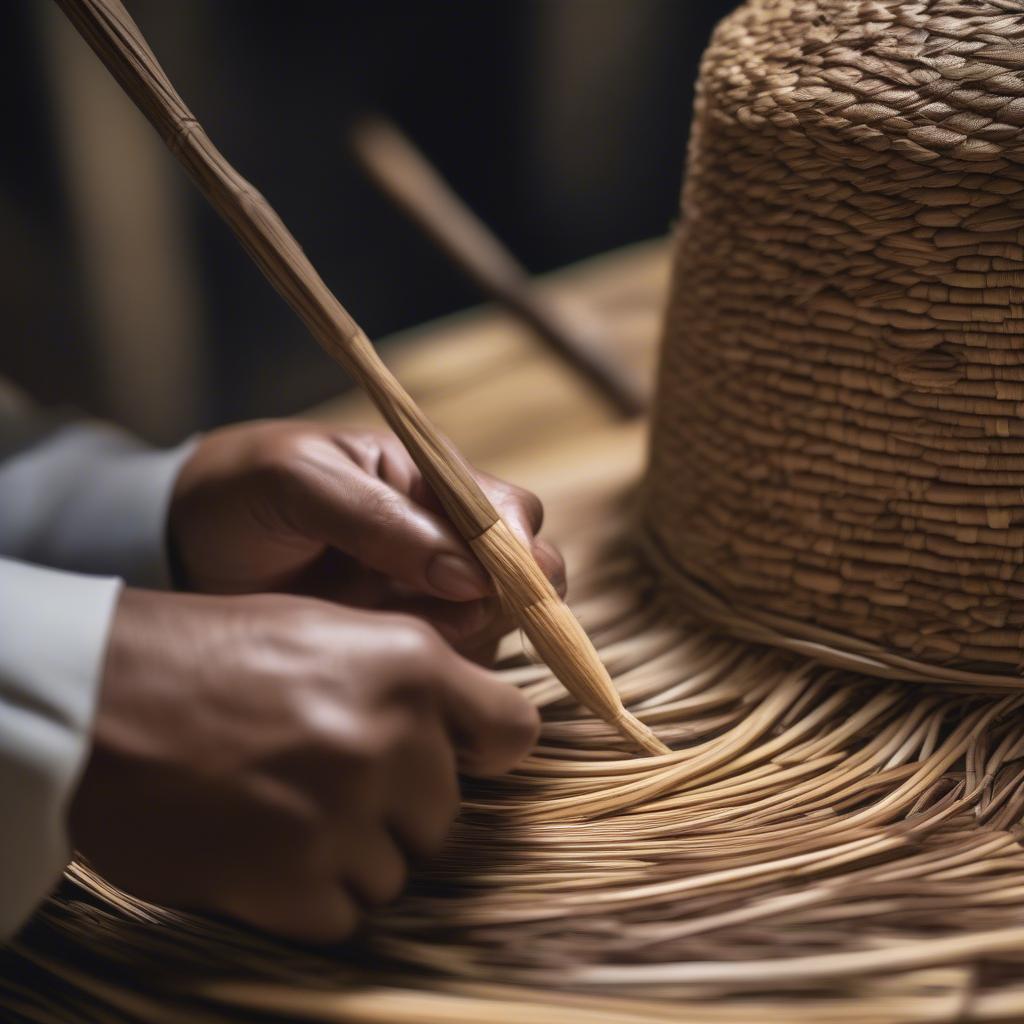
492 725
386 531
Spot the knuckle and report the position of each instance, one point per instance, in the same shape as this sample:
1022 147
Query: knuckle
279 452
334 747
534 509
293 459
314 719
361 762
385 510
299 620
529 503
415 641
426 819
364 446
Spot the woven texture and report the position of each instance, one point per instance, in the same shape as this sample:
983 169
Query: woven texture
820 848
838 440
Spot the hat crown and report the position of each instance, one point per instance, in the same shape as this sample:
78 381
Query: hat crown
838 441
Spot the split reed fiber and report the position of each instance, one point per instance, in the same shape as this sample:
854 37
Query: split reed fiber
822 846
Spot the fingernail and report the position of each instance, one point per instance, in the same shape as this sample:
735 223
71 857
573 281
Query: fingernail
456 577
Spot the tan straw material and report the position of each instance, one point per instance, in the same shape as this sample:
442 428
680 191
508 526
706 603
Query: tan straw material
821 847
839 440
834 470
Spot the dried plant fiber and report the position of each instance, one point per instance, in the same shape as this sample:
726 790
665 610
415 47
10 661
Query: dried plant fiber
822 846
835 836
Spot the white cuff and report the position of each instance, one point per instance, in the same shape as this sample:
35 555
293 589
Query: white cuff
91 499
53 636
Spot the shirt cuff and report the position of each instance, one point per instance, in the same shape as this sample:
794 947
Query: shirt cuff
92 499
53 635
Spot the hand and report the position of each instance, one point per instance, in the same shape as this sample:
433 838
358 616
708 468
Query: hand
281 760
301 508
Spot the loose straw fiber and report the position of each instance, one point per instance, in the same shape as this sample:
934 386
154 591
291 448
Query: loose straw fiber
835 427
838 448
821 847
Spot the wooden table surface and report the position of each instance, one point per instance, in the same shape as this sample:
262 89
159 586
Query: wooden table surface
513 408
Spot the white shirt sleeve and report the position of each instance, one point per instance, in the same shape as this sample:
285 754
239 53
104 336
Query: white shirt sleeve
53 634
91 503
92 499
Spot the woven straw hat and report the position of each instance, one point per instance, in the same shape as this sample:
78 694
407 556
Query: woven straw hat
838 450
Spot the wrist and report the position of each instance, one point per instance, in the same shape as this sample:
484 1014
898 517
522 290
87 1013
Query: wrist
176 574
180 498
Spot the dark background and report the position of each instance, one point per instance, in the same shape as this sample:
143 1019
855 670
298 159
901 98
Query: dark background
562 122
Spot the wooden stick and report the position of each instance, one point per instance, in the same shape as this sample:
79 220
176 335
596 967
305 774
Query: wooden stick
558 637
404 174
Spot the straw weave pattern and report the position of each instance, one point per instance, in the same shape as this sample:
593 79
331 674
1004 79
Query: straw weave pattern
838 435
820 848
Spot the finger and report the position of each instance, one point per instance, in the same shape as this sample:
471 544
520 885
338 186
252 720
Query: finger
474 628
459 623
521 509
338 578
382 455
336 502
375 869
549 558
325 915
425 790
491 723
482 653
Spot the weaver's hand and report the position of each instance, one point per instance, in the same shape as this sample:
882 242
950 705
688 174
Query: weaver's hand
279 759
345 515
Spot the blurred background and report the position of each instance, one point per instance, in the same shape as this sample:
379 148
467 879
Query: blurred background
561 122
